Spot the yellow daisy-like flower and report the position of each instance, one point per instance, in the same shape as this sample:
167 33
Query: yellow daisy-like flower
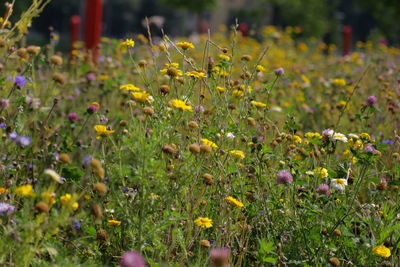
313 135
339 82
153 196
209 143
172 72
234 201
65 199
196 74
203 222
321 172
221 89
103 77
185 45
237 154
102 131
3 190
129 87
224 57
237 93
261 68
258 104
49 197
180 104
381 251
114 222
297 139
142 96
25 191
128 43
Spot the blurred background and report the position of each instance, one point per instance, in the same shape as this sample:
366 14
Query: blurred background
375 20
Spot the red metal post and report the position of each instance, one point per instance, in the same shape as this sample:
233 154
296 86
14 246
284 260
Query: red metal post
347 31
93 16
75 25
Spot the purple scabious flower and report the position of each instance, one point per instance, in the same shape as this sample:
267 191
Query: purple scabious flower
73 117
20 81
327 133
279 71
24 141
387 142
323 189
87 159
2 125
91 76
76 224
284 176
13 136
372 100
6 208
132 259
370 149
220 256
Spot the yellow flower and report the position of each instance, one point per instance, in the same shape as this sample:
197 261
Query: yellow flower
237 93
365 136
297 139
196 74
209 143
339 82
179 104
102 131
74 206
3 190
49 198
153 196
234 201
321 172
381 251
237 154
129 87
221 89
185 45
25 190
172 72
103 77
224 57
114 222
65 199
260 68
258 104
128 43
313 135
142 97
203 222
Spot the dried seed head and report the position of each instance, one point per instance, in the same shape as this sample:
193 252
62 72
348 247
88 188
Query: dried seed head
337 232
148 111
246 58
164 89
65 158
334 261
251 121
193 125
168 149
100 188
56 60
205 149
194 148
42 207
208 179
59 78
97 211
205 243
102 235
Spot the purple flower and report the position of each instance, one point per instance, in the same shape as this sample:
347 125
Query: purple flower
220 256
24 141
6 208
19 81
13 136
73 117
279 71
327 133
2 125
199 109
76 224
284 176
87 159
132 259
92 109
370 149
387 142
372 100
91 76
323 189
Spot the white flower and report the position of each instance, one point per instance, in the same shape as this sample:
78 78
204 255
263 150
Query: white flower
354 136
151 99
276 109
339 184
339 137
230 136
53 175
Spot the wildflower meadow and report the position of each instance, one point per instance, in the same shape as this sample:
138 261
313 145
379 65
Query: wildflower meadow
222 150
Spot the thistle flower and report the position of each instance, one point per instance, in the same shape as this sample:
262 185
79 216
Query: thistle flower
372 101
284 176
323 189
72 117
279 71
370 149
220 257
132 259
